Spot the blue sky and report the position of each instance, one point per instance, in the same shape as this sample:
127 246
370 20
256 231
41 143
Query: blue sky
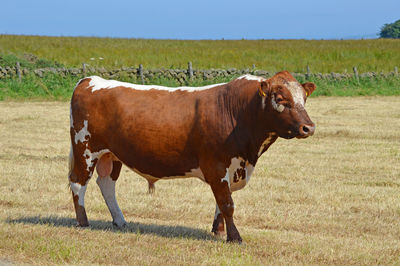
204 19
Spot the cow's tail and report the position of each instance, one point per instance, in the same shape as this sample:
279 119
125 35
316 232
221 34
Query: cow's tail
152 187
70 163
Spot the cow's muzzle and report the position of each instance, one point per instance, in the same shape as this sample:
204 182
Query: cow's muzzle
306 130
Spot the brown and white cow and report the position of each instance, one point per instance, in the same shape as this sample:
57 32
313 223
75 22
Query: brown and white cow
215 133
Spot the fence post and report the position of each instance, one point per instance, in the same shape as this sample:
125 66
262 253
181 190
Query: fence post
84 69
355 73
18 69
190 70
308 72
141 73
396 72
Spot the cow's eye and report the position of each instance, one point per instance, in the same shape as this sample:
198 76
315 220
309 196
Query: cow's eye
279 99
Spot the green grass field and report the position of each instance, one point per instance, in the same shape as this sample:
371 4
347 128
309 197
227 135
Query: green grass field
331 199
56 87
323 56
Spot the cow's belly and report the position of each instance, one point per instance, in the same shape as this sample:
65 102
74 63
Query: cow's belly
156 160
171 171
238 173
196 172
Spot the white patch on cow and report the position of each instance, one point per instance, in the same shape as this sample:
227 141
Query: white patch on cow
75 187
83 133
227 178
88 155
278 107
297 92
195 172
97 83
266 142
249 168
217 211
107 187
91 156
79 191
232 169
251 77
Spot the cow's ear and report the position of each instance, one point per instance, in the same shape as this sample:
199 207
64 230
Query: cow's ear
264 89
309 87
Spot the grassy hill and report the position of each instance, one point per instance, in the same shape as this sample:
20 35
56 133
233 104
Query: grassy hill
323 56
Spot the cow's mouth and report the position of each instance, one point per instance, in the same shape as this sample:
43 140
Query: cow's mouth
302 136
297 134
289 135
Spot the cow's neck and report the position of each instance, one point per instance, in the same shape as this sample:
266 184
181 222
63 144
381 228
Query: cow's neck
250 135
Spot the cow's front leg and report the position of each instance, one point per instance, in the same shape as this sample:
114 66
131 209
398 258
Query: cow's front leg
218 227
224 200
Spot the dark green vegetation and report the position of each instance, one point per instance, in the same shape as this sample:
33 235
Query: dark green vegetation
56 87
391 30
50 87
33 52
28 61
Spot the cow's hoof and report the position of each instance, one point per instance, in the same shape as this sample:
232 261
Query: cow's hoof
83 225
218 227
218 233
120 225
236 240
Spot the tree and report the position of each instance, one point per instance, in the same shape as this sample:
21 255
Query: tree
391 30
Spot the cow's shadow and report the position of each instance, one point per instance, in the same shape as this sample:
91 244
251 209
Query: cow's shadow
131 227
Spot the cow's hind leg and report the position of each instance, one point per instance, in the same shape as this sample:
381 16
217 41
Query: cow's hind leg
218 227
109 171
79 175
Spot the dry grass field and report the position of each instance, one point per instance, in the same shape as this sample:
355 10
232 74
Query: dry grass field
333 198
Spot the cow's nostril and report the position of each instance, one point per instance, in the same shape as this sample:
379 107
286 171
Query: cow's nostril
306 130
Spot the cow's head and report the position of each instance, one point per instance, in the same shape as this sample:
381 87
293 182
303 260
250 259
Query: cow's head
285 97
